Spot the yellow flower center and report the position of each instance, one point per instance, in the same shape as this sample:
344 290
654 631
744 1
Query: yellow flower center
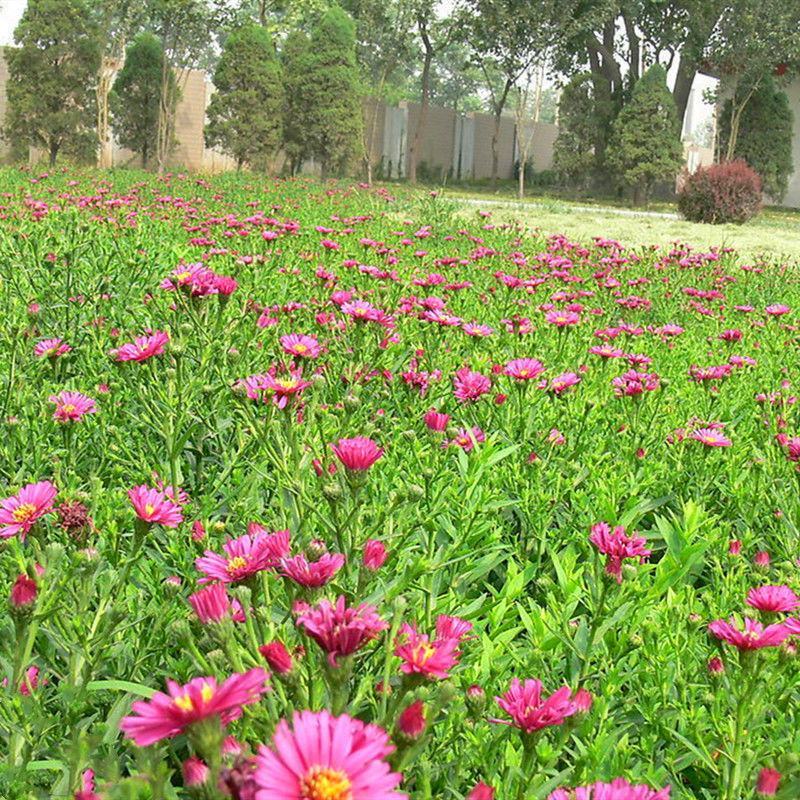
287 383
325 783
24 512
184 702
149 509
523 373
68 408
182 276
423 653
236 563
300 349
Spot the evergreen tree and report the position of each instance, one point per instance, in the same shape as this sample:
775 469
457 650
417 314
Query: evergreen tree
645 145
296 61
52 72
765 136
331 92
135 96
245 112
573 153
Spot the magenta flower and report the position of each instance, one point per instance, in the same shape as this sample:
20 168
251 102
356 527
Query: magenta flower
341 630
777 310
754 636
617 545
469 386
421 656
167 715
633 383
211 604
154 507
524 369
436 420
86 792
312 574
529 711
618 789
562 319
51 348
285 388
561 383
322 757
300 345
773 598
141 348
71 406
711 437
20 512
374 555
357 454
244 557
467 439
768 782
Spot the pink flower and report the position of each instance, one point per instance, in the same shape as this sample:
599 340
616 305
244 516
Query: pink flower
561 383
768 782
141 348
777 310
436 421
773 598
633 383
86 792
375 555
20 512
467 439
618 789
529 711
195 771
341 630
322 757
753 637
211 604
154 507
51 348
469 386
278 657
431 659
23 592
244 557
312 574
562 319
481 791
715 666
761 558
411 722
710 437
286 388
167 715
300 345
617 545
524 369
357 454
30 681
71 406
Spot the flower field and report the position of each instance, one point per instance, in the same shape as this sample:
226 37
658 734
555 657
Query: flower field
325 493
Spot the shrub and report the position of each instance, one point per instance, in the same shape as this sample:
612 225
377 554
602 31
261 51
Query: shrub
727 192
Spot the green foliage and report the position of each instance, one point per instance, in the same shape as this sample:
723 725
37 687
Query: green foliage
135 96
296 61
330 92
245 113
52 72
645 145
573 154
765 136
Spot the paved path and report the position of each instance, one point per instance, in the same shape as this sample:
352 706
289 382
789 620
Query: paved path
533 204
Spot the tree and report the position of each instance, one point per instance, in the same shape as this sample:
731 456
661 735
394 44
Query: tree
331 92
752 38
136 95
245 112
645 145
183 27
296 60
508 38
573 153
52 72
765 136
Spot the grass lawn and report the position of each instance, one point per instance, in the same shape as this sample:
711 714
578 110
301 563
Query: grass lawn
775 233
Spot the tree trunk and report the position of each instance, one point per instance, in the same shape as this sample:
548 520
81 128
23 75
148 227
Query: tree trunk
683 87
53 153
413 154
736 118
498 112
262 13
521 179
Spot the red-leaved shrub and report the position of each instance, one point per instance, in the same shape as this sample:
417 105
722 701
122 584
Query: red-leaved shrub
727 192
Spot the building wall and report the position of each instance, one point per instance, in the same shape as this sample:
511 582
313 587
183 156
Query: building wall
436 148
4 146
482 151
793 195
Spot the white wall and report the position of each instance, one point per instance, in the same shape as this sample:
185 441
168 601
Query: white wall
793 195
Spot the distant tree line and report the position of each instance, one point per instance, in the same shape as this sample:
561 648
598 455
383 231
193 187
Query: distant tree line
292 75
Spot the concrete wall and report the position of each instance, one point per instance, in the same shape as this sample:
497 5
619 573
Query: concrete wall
793 195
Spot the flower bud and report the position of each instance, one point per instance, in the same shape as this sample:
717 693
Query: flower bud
375 555
481 791
411 722
277 656
23 593
195 772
